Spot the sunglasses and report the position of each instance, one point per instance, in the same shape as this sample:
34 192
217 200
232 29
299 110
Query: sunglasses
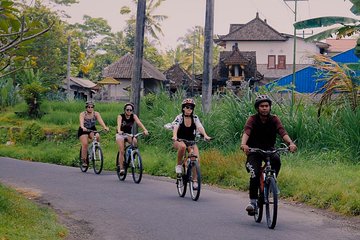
90 107
189 107
128 110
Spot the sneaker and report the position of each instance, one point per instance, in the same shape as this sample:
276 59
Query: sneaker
250 208
178 169
122 172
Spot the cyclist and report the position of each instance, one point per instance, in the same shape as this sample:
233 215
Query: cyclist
260 131
125 122
88 120
185 127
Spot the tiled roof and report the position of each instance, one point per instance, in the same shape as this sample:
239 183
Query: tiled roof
177 76
83 82
255 30
235 57
123 69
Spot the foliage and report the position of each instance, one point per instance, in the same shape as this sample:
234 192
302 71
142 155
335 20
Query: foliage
23 219
32 134
8 93
189 52
32 92
339 82
152 21
17 27
349 26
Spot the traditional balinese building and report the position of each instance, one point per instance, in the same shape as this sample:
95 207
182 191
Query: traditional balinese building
274 50
122 71
178 78
80 88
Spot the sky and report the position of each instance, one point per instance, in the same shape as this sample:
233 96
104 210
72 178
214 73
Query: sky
183 15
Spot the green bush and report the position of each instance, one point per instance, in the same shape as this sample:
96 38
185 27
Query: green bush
32 134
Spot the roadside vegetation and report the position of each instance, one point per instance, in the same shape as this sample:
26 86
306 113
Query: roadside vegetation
23 219
324 173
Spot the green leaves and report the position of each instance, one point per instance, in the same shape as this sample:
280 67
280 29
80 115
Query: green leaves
324 22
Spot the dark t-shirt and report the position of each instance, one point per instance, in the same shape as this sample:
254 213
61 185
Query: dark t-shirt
126 124
263 134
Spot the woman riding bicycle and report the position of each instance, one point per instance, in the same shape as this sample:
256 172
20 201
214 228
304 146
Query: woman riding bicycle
88 120
185 126
125 122
260 131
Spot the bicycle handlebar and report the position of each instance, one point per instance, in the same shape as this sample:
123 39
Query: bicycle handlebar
192 142
95 131
132 135
268 152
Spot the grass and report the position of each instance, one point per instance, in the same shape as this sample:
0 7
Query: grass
23 219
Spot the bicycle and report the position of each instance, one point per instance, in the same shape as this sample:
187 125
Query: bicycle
268 190
190 169
131 158
94 154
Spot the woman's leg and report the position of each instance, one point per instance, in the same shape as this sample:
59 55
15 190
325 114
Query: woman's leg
121 145
84 145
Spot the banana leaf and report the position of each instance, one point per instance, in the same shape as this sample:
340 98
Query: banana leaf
324 22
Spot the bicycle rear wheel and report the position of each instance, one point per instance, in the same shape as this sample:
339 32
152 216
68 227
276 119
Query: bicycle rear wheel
271 202
82 167
194 180
259 207
137 167
181 182
97 160
121 177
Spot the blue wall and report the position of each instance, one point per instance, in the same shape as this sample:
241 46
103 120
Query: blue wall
306 79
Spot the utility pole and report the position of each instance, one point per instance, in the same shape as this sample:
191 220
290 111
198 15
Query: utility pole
208 56
138 57
293 82
193 63
68 68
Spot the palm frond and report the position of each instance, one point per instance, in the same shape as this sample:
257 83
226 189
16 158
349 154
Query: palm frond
324 22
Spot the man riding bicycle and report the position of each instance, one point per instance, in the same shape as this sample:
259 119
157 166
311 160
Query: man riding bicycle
260 131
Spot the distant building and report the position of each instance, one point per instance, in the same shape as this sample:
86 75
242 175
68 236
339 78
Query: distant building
122 71
80 88
273 50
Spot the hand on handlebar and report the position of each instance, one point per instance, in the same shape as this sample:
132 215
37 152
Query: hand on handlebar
245 148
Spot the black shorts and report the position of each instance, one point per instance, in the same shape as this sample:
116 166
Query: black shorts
81 131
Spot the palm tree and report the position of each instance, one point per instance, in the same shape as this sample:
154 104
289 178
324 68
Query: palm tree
349 26
152 21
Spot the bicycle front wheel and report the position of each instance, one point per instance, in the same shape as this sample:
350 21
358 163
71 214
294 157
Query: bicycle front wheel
83 167
259 207
194 180
121 177
137 167
271 202
97 160
181 183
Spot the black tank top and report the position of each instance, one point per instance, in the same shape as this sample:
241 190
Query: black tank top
187 133
126 124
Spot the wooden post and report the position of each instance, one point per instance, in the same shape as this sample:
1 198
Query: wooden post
138 57
208 56
68 68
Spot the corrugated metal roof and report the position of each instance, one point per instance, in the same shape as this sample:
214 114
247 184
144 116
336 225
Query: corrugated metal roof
307 79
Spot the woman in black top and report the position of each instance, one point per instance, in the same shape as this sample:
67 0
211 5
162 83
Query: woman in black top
125 122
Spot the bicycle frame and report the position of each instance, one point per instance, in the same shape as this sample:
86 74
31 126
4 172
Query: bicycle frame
268 188
94 154
191 169
132 158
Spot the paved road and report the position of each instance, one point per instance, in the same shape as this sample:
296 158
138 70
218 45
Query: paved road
109 209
